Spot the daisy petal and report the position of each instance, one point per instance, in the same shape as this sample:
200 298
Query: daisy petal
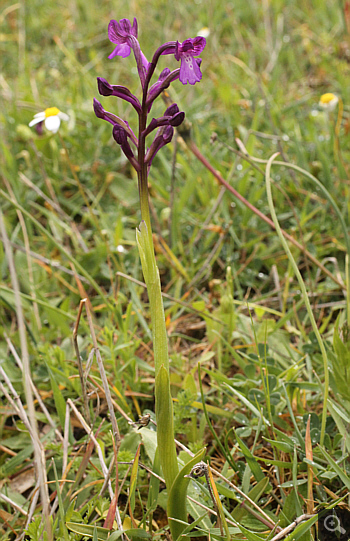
36 121
52 123
40 115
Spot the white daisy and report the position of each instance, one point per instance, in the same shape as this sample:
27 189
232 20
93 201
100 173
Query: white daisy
51 117
328 101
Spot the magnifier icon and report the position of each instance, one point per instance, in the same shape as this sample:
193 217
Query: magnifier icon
332 524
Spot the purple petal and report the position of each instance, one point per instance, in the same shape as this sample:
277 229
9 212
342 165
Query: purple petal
120 33
122 50
172 110
121 138
161 85
193 45
177 119
189 70
106 89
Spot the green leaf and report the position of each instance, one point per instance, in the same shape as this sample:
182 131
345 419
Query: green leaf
165 428
254 466
103 534
338 417
251 536
176 508
301 529
133 479
154 484
88 530
337 469
341 361
58 398
281 445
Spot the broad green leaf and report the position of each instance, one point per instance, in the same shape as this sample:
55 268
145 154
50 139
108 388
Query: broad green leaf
280 445
103 534
177 497
88 530
165 430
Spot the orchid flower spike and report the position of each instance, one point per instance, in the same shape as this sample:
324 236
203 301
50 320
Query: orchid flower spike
51 117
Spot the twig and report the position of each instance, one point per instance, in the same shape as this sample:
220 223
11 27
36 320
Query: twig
33 503
14 504
15 402
291 527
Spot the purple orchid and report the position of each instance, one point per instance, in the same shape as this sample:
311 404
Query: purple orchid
120 33
125 36
186 51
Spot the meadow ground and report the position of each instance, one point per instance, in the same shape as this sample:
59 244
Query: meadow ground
260 357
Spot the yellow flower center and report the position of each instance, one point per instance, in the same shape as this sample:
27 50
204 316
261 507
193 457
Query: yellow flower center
327 98
51 111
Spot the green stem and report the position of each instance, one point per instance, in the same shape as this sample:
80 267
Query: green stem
164 406
163 399
304 294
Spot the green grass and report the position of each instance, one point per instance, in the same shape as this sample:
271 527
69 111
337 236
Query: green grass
244 318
